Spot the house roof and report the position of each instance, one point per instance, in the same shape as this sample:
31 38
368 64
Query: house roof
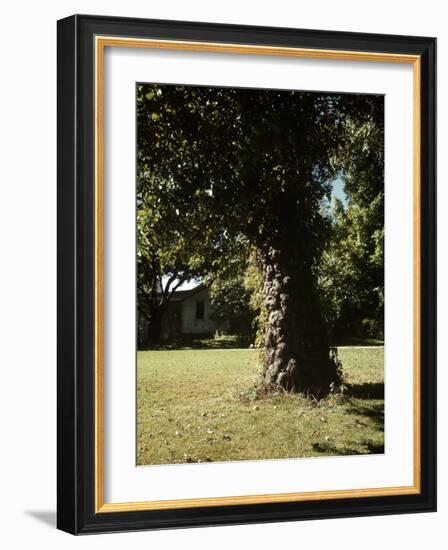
180 295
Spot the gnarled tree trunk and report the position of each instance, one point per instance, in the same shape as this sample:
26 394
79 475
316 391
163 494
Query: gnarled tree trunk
298 358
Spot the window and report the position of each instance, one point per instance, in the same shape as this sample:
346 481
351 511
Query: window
200 308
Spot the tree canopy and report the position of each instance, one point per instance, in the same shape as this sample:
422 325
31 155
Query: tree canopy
230 178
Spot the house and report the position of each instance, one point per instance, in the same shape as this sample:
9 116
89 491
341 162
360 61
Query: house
189 313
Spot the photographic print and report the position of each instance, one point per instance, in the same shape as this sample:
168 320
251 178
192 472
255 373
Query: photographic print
260 274
246 289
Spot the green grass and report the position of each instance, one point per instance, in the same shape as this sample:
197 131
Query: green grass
199 406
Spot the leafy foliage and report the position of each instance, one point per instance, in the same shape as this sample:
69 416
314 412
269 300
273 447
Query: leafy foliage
223 173
351 273
229 296
253 283
242 161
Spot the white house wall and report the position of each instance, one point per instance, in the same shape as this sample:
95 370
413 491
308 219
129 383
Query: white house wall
191 325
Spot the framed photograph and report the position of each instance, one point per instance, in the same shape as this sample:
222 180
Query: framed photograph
246 274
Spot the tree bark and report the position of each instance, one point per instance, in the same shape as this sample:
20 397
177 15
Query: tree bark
298 357
155 325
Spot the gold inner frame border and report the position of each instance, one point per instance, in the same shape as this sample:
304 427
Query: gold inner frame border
100 44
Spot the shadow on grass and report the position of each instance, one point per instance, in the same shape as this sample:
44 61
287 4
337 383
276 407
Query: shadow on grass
366 391
373 412
354 341
328 449
375 448
235 341
229 342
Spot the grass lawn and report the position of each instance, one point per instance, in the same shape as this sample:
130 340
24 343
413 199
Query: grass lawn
199 406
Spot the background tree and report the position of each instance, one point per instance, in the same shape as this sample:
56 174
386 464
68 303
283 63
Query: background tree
165 258
256 163
176 242
352 266
229 295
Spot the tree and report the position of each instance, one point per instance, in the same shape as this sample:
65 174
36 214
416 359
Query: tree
175 243
256 163
352 267
351 273
230 297
165 258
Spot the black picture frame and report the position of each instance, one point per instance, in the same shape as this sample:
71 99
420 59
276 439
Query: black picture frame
76 275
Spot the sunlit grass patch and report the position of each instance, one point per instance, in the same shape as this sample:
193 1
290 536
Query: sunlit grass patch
199 405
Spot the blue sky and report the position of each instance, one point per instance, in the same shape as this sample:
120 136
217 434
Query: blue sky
338 190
